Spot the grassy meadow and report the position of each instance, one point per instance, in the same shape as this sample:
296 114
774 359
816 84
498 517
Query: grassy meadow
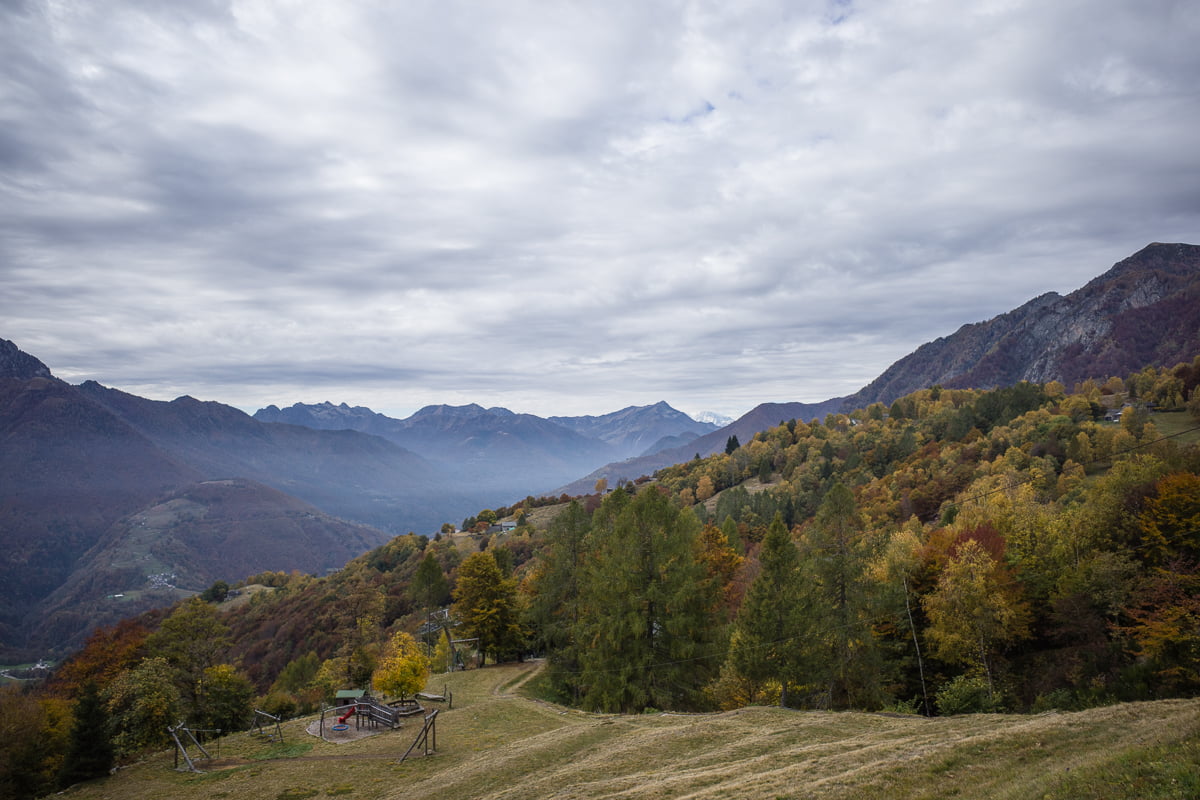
1178 425
498 743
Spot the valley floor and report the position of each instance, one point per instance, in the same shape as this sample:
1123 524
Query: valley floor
496 743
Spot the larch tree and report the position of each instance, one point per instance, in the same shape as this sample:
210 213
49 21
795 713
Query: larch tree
429 588
765 644
647 624
722 563
485 602
364 607
554 602
841 656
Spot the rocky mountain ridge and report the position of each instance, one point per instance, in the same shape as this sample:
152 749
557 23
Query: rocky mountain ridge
1144 310
15 363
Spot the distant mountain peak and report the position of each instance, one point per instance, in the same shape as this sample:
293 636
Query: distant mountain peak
713 418
470 409
15 363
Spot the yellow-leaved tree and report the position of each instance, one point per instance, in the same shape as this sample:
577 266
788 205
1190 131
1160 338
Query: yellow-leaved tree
974 611
404 668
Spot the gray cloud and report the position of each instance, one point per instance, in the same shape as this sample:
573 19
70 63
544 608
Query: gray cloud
568 209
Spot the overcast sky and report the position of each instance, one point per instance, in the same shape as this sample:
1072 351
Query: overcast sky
568 208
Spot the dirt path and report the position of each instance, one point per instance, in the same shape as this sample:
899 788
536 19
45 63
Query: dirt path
529 669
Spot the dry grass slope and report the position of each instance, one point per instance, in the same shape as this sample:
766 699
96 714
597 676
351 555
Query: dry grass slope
496 743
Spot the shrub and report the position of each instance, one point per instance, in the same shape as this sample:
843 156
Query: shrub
968 694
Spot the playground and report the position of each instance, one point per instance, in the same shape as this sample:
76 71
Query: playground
361 716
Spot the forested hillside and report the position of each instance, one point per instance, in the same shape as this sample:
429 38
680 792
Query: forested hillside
960 550
1018 549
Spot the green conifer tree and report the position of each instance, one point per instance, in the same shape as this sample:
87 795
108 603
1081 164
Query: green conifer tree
841 654
554 607
429 588
765 645
648 607
90 751
730 529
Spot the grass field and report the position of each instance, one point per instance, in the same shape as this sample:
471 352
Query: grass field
497 743
1179 425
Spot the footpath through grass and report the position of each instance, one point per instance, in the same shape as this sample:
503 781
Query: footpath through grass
497 743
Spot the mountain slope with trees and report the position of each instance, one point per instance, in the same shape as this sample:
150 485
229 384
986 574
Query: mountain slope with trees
79 462
69 471
758 418
186 541
1027 547
345 473
79 458
1143 310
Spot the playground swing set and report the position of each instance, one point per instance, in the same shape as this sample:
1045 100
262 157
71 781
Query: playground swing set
267 726
181 746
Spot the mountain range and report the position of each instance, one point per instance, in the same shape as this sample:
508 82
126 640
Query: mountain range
78 463
505 455
111 503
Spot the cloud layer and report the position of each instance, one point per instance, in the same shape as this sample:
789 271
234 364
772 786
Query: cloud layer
568 208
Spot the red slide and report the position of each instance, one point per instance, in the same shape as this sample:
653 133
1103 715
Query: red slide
342 719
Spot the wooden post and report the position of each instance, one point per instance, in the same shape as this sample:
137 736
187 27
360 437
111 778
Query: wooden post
423 736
